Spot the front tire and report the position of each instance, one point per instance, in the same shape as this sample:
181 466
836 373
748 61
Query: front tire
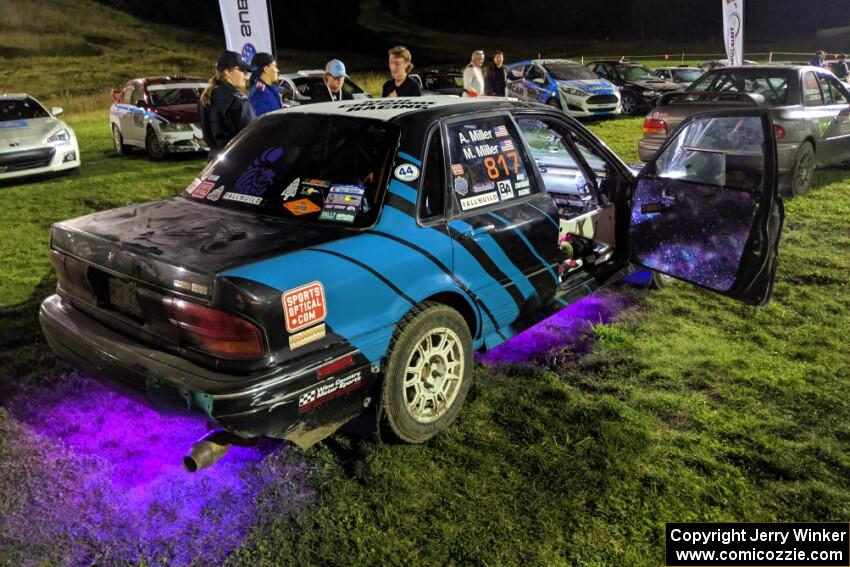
629 104
429 372
154 146
118 141
804 167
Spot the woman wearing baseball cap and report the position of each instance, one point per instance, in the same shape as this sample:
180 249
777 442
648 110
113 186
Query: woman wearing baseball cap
223 107
265 93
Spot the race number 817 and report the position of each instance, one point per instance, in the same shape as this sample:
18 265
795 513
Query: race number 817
492 165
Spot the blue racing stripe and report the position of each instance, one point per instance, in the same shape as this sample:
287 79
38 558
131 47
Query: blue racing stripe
529 245
409 158
403 191
542 212
490 247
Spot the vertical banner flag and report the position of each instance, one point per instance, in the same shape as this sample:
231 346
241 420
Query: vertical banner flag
733 30
247 27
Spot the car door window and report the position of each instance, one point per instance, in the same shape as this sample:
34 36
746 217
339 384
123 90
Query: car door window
534 72
487 163
137 94
564 174
433 189
811 90
832 93
287 93
721 152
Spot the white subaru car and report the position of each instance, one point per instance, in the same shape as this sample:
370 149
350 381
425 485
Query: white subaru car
32 140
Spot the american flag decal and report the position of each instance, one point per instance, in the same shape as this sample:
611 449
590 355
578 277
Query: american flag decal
507 145
500 131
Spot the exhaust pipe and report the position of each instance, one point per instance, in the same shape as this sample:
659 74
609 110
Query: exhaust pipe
210 448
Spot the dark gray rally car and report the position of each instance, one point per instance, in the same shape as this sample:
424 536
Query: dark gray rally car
341 255
810 109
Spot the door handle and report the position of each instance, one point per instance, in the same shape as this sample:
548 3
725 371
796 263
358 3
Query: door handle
475 232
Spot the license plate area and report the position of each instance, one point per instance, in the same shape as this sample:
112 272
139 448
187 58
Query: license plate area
124 297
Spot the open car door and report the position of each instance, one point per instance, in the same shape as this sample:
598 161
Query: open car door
706 208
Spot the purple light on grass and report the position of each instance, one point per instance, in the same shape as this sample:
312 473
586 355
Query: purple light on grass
113 488
566 330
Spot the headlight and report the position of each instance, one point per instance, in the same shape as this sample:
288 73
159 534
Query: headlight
649 93
60 138
573 92
175 127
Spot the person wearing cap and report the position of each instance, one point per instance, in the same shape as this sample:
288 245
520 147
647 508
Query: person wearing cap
223 106
265 93
497 76
401 64
817 60
473 78
841 69
331 87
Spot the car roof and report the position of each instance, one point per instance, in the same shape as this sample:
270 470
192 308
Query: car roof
165 79
301 73
387 109
770 66
14 96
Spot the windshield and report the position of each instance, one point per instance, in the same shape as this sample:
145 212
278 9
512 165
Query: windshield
167 95
635 73
770 83
435 82
566 72
305 167
21 109
686 75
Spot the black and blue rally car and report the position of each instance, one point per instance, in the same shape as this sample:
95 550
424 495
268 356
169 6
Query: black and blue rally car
344 254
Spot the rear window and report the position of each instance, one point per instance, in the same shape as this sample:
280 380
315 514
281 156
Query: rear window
21 110
306 167
635 73
686 75
170 94
770 84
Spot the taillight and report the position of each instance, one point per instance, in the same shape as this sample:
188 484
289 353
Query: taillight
215 332
655 127
334 367
778 132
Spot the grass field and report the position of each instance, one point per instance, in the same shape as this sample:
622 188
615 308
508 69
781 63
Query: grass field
672 405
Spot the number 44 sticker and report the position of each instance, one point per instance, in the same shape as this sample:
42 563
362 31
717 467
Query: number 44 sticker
407 172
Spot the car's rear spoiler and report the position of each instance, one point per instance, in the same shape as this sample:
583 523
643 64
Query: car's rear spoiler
711 96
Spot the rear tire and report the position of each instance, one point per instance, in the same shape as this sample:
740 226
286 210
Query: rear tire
429 372
804 167
118 141
154 146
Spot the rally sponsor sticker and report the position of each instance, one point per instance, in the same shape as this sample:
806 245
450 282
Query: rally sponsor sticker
304 306
407 172
341 216
302 207
461 185
457 169
291 189
203 189
250 199
477 201
306 337
327 392
506 190
215 194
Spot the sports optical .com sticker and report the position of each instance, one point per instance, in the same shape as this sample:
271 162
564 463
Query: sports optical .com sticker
304 306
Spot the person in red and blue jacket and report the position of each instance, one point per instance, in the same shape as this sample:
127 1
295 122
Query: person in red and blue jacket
265 93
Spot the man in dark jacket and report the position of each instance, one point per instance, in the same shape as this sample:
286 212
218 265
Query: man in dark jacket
841 70
496 79
223 107
817 60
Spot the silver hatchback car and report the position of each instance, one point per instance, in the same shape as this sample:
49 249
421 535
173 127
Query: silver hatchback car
809 106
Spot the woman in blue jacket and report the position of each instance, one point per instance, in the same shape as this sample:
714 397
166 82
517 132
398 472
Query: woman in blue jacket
264 94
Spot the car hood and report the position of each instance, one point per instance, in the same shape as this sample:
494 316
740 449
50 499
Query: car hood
26 133
591 86
656 85
183 113
180 240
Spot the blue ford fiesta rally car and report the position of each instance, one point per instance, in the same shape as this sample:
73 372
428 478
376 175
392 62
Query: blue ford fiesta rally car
344 254
563 84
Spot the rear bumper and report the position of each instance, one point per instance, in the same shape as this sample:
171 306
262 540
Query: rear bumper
255 405
648 146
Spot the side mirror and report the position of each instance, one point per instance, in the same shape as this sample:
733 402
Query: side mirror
140 103
56 110
116 95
